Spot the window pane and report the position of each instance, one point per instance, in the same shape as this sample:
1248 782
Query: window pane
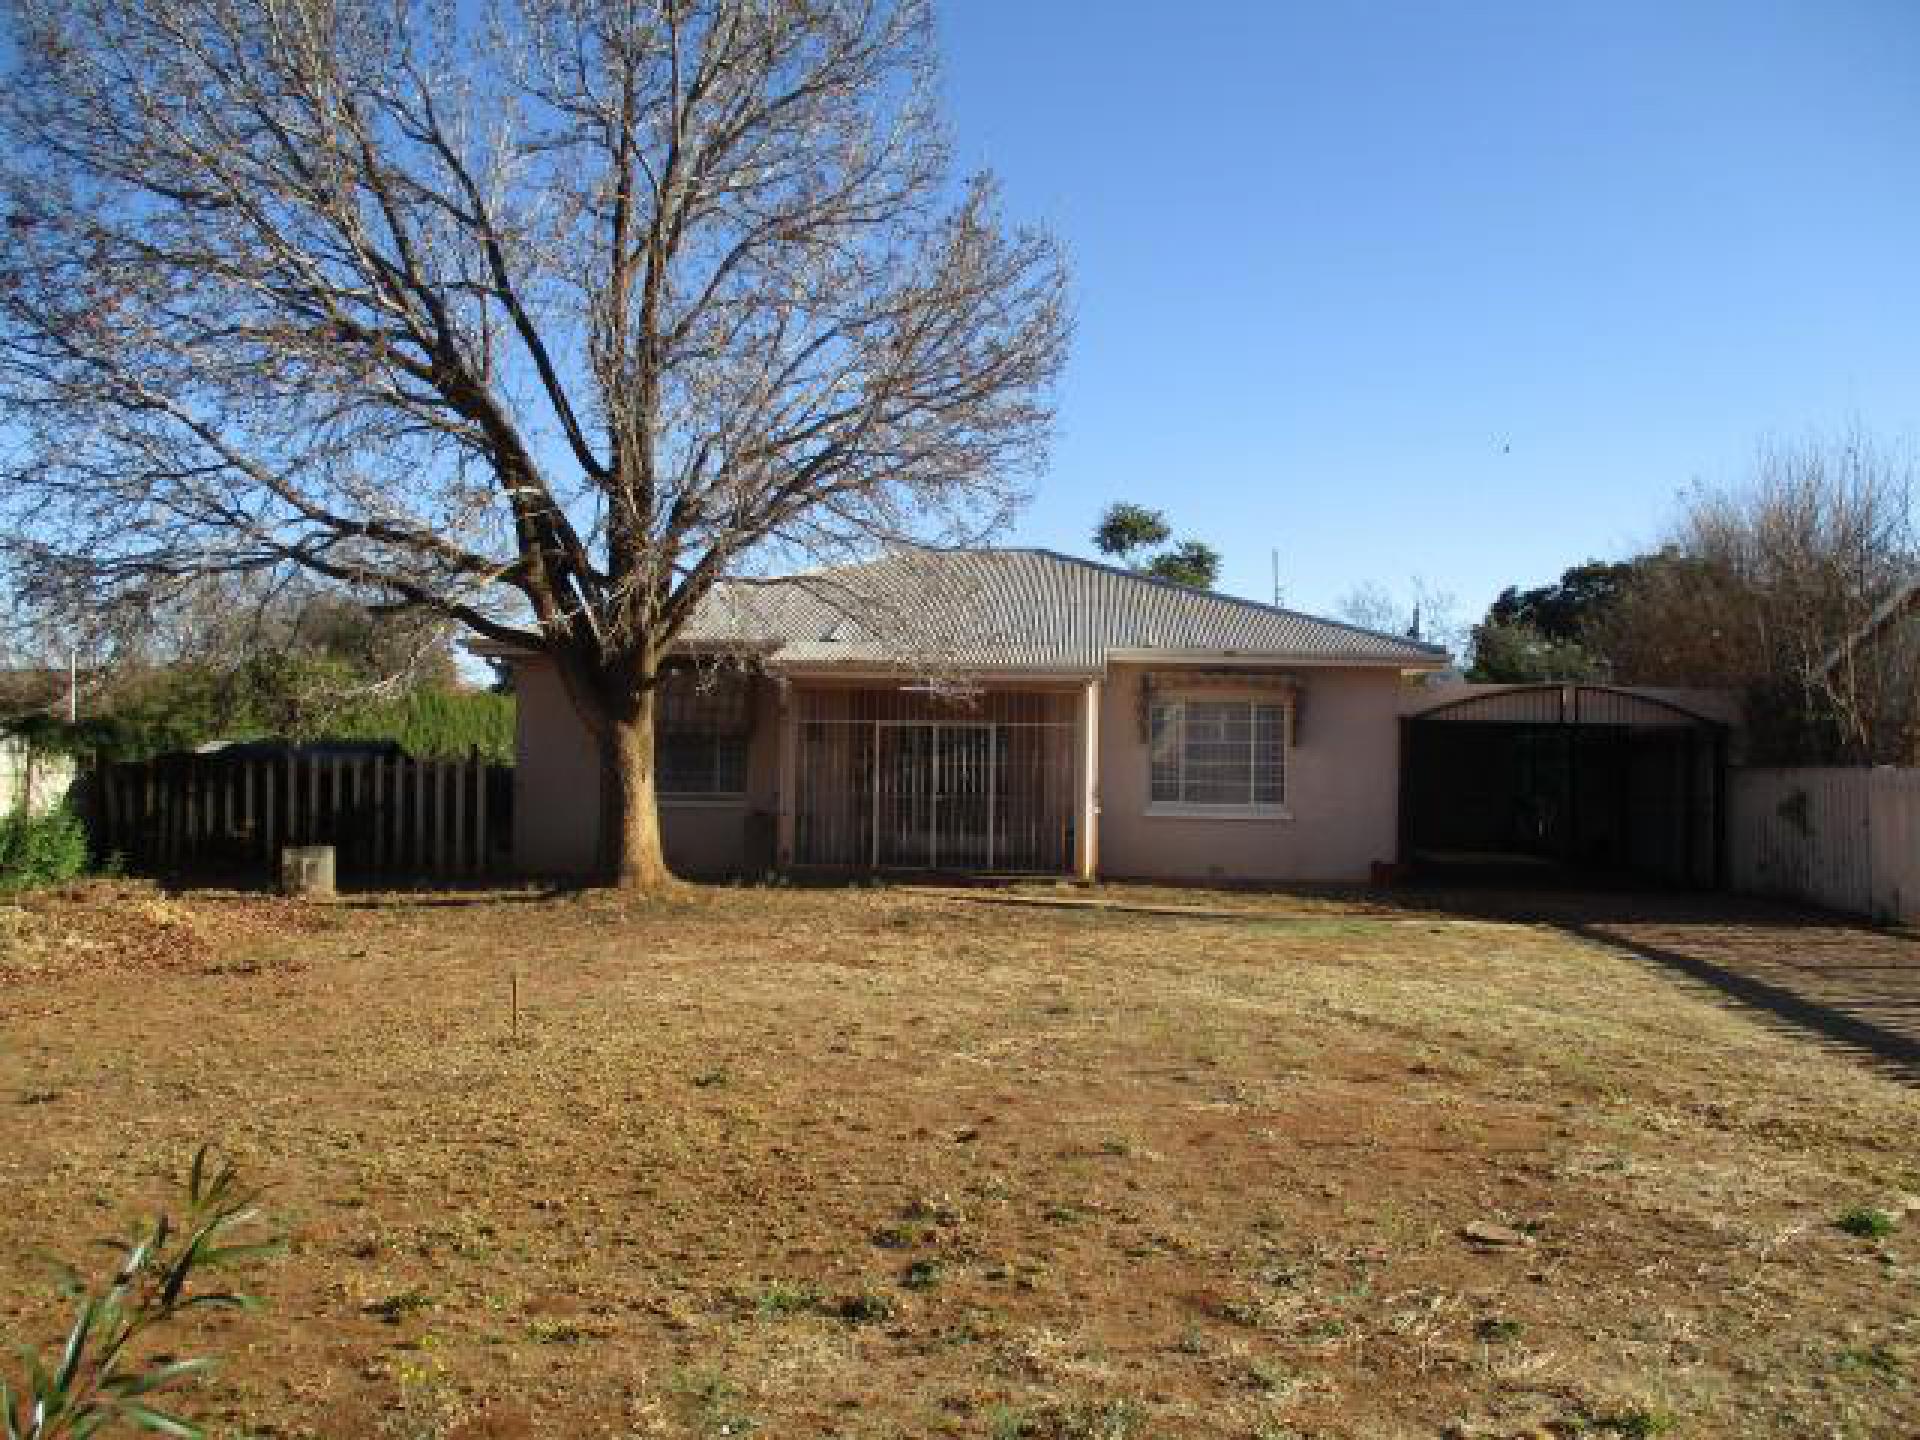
730 764
695 703
1164 750
1269 755
1218 752
701 765
1217 786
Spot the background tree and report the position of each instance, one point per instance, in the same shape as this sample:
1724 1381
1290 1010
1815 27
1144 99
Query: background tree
542 318
1191 562
1422 612
1516 653
1542 634
1128 531
1564 609
1763 583
230 659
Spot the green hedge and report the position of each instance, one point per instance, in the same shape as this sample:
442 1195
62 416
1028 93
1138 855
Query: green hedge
185 710
41 849
434 724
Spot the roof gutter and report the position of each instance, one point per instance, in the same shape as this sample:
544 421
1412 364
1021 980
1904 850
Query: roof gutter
899 673
1251 659
828 670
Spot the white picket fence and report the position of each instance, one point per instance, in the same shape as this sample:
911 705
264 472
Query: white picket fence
32 780
1844 839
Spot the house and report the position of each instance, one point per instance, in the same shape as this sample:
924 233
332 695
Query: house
1013 711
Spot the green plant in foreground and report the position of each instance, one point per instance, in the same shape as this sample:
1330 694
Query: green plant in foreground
783 1297
921 1275
1635 1423
396 1307
99 1382
41 849
865 1307
1875 1359
1866 1223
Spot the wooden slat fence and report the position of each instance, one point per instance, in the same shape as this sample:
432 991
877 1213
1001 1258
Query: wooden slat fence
388 816
1845 839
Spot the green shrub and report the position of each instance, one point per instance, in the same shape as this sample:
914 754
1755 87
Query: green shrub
186 706
432 724
1866 1223
41 849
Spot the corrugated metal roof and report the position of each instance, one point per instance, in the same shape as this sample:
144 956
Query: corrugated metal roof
1016 610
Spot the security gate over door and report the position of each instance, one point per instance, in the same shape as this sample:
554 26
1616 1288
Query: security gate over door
986 786
936 796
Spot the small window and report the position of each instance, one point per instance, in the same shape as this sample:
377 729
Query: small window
701 750
1219 754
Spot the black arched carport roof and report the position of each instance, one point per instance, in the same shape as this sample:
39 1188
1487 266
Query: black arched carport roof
1581 704
1569 780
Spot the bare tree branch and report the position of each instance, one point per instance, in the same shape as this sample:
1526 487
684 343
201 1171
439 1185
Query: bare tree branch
545 319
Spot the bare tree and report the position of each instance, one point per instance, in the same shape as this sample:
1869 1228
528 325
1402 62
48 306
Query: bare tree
544 319
1426 612
1763 587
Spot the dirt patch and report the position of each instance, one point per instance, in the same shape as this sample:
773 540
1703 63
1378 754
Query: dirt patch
134 925
865 1163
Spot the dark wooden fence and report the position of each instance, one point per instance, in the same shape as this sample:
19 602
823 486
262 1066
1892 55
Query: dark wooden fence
387 816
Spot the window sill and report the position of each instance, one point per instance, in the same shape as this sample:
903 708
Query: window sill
702 802
1172 811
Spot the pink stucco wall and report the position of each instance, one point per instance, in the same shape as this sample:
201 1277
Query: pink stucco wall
556 803
556 811
1342 789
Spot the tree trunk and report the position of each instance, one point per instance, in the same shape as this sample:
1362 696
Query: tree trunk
631 855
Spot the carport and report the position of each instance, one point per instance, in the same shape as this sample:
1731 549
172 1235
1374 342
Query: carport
1564 782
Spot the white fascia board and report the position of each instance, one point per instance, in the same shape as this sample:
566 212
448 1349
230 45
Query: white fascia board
1007 675
1249 659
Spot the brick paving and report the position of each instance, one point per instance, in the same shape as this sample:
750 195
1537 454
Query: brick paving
1851 985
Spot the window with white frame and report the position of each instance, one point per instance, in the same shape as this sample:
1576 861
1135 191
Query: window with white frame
1224 755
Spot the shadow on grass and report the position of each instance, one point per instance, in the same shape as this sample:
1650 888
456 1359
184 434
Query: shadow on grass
1880 1025
1862 995
1848 1029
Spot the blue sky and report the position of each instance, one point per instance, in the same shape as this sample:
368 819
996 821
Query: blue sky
1462 290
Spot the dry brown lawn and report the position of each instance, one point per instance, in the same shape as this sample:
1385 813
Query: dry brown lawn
876 1163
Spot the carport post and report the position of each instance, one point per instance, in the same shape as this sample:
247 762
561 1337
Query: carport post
1570 837
1720 807
1086 831
1403 848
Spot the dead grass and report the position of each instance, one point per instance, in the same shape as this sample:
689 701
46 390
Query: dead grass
865 1163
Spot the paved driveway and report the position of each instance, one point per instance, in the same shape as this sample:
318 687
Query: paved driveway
1853 986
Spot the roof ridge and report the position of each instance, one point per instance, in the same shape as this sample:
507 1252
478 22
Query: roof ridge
1127 574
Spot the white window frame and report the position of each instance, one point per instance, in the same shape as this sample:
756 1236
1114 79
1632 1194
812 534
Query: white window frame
1248 809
